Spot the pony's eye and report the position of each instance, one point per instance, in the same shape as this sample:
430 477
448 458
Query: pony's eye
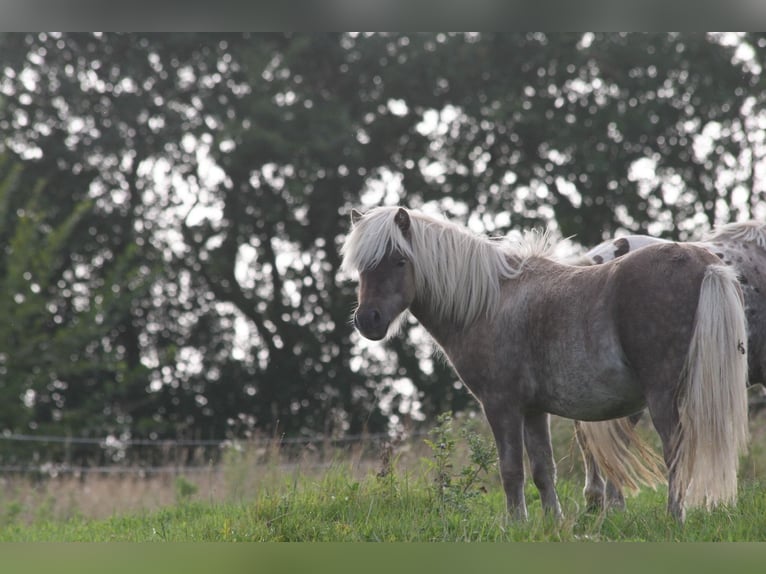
401 262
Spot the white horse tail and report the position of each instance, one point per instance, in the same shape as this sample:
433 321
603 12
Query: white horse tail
713 430
623 456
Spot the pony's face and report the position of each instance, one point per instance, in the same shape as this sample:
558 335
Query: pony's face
385 292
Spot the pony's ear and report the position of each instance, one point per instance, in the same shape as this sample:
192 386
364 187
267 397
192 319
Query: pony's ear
402 220
355 216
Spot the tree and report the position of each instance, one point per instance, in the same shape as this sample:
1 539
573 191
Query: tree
205 181
59 372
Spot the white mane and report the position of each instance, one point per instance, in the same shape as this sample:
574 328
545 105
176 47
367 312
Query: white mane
456 271
749 231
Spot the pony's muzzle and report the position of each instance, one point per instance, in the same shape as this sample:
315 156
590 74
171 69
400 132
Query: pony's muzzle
370 324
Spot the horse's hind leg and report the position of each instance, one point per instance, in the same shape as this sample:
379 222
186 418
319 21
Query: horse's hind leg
594 490
599 492
664 413
537 439
614 496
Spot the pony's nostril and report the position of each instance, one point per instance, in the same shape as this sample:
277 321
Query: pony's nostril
375 316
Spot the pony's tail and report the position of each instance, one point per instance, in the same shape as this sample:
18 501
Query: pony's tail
621 454
713 430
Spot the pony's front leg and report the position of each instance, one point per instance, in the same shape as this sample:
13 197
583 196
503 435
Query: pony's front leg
507 427
537 438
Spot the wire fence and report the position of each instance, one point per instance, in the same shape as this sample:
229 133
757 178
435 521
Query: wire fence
55 455
258 441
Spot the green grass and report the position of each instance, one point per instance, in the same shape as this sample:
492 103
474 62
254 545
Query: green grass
443 489
401 507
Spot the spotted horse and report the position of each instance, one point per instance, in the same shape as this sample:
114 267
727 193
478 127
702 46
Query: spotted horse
740 246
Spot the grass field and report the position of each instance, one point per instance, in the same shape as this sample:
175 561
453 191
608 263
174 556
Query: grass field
441 492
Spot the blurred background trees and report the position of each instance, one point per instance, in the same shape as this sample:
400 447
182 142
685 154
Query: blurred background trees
171 205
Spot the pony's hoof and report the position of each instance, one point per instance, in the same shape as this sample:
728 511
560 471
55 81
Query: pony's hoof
594 503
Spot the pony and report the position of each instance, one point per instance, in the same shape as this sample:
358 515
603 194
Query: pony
741 246
529 336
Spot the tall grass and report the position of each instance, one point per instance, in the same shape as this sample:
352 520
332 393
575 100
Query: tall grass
400 507
444 490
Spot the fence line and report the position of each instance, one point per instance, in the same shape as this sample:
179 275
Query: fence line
108 441
52 470
117 443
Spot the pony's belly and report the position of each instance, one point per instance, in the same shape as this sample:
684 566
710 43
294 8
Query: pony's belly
596 398
602 410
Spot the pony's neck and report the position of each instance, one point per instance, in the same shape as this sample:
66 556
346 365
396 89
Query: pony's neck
445 314
458 275
441 329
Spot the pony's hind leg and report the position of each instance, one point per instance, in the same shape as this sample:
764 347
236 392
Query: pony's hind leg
537 439
708 418
664 414
600 492
507 428
594 490
614 496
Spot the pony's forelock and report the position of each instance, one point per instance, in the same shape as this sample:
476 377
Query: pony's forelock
373 237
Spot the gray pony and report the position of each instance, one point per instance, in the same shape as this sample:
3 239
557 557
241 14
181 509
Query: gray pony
662 328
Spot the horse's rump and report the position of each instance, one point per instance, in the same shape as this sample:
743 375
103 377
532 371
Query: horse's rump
684 320
657 291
